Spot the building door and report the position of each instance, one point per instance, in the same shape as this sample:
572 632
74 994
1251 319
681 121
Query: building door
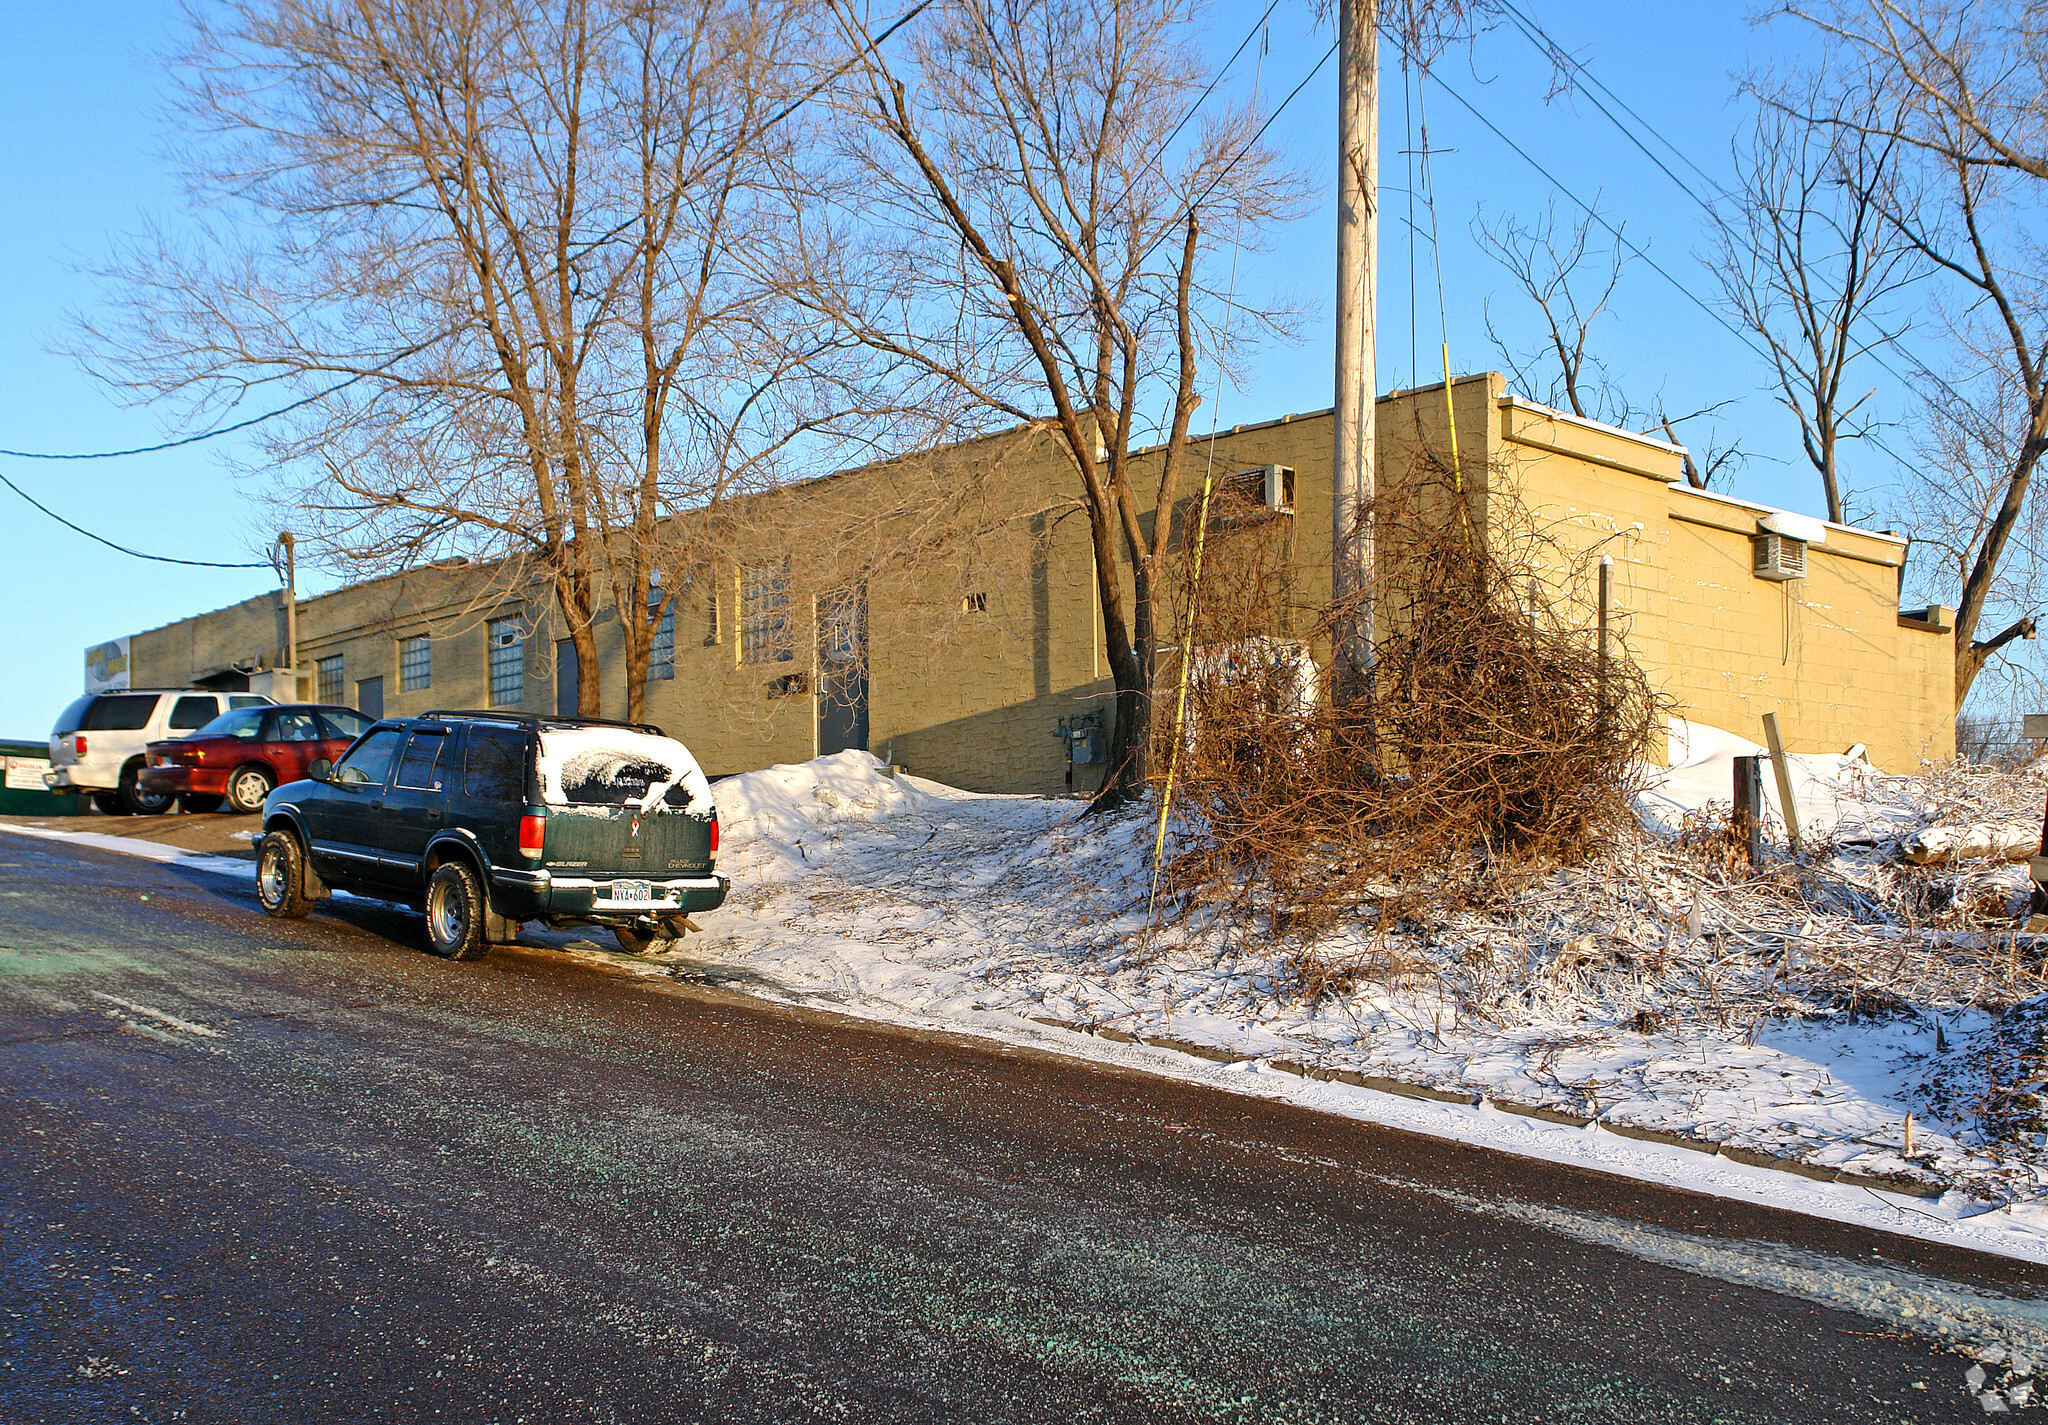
843 671
370 698
565 677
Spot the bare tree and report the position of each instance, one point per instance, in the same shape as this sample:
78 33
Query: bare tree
1961 87
1021 225
1570 281
1810 265
490 248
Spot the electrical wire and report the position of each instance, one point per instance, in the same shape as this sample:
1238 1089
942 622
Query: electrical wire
1541 40
190 439
122 548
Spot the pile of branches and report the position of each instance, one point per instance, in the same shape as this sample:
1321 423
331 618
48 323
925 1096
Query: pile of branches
1498 737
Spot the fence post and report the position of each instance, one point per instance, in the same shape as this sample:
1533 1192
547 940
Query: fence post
1783 768
1748 819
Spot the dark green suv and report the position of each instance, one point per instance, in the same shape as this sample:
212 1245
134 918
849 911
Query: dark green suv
488 820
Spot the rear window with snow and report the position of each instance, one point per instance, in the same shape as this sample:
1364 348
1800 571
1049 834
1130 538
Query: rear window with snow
615 766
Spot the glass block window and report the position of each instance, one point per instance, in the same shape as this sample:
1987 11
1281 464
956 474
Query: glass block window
764 614
327 681
508 662
661 652
415 664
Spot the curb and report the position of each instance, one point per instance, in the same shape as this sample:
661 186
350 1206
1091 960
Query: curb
1734 1153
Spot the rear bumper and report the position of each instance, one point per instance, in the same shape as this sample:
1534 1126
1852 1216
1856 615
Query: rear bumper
178 780
532 895
77 779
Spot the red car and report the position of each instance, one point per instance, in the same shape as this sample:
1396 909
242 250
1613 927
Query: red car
240 756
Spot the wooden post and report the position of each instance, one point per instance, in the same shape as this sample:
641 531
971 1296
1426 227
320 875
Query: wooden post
1606 606
1749 807
1784 770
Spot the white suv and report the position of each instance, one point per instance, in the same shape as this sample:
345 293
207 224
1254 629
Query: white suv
97 743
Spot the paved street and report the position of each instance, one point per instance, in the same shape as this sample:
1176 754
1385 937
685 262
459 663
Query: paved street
262 1172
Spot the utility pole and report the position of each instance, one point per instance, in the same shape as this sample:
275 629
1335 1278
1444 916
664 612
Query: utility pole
291 609
1352 483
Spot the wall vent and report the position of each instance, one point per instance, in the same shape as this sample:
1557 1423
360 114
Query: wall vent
1269 487
1779 557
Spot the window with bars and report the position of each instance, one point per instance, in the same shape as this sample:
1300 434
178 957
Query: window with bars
764 614
327 678
415 665
508 662
661 650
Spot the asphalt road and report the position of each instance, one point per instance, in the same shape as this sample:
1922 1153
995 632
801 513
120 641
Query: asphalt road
253 1171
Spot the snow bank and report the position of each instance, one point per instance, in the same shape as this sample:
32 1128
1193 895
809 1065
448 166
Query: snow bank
1827 788
616 766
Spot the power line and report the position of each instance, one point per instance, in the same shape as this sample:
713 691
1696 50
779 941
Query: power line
190 439
1541 40
122 548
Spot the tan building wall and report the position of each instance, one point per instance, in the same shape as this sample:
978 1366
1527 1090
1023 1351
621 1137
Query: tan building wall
977 653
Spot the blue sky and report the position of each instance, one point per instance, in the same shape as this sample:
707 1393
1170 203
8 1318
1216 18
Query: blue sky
82 102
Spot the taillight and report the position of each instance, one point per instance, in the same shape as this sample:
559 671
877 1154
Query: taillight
533 831
78 743
714 836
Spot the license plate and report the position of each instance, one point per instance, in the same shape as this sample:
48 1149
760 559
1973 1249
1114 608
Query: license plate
629 890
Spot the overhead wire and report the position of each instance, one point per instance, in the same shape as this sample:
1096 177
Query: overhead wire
1590 84
122 548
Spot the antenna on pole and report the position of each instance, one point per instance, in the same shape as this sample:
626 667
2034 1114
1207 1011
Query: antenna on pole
1352 482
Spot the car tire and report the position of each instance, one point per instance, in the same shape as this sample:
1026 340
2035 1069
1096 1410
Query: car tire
635 941
134 800
247 787
456 911
281 876
109 804
199 803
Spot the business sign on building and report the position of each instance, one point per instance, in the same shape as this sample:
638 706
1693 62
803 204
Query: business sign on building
106 667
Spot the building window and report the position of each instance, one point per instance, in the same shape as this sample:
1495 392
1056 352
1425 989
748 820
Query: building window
327 681
764 614
661 650
508 662
415 665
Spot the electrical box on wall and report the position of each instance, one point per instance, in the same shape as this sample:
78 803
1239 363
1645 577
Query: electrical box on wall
1085 741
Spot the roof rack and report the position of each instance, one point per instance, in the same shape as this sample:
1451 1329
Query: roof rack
537 721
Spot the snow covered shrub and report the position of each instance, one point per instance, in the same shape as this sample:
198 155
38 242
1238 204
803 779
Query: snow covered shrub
1499 733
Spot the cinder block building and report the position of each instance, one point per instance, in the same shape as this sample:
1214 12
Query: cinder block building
988 674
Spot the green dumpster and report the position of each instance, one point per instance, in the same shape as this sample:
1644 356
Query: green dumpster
22 793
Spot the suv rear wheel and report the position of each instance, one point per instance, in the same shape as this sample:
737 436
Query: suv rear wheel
248 787
455 912
134 800
281 876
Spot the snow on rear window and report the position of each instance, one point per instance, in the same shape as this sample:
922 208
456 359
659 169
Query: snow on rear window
615 766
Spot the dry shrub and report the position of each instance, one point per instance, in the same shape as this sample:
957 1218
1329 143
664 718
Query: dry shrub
1497 737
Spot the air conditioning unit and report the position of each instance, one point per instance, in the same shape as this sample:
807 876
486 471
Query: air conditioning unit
1269 487
1779 557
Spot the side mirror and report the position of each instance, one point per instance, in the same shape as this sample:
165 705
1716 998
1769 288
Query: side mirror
320 769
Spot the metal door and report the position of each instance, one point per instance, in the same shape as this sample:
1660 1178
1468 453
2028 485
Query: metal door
565 677
370 698
843 670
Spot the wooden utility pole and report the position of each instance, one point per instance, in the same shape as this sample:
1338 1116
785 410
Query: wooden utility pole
1352 481
291 610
